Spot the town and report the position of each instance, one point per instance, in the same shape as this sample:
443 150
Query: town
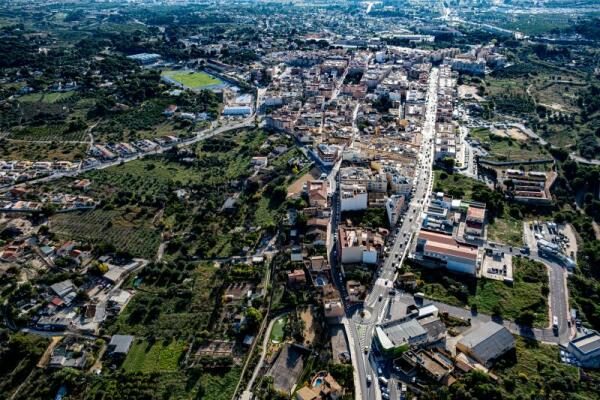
263 200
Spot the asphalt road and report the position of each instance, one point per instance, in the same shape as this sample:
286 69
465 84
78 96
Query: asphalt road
199 136
362 321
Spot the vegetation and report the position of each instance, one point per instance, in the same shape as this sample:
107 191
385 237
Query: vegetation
525 300
192 80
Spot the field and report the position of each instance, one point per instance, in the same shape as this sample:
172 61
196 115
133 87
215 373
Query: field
507 230
158 357
46 97
504 148
489 296
122 228
154 311
277 331
48 133
17 150
192 80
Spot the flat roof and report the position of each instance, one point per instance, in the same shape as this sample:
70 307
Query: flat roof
588 343
446 244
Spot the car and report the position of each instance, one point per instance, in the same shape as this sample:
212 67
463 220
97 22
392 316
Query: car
366 350
379 371
369 380
380 297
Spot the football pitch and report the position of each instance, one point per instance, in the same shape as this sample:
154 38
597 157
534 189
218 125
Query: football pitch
192 80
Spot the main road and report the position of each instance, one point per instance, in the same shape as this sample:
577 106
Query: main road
361 321
202 135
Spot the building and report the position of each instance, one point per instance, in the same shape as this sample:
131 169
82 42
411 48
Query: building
358 245
443 250
475 220
353 197
317 193
586 350
120 344
234 111
400 334
327 154
486 343
296 277
394 207
145 58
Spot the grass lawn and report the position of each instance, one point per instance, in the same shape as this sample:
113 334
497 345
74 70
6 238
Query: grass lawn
156 358
277 331
192 80
490 296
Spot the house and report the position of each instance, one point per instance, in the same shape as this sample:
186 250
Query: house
259 162
317 193
486 343
586 350
62 289
82 184
120 344
356 291
297 277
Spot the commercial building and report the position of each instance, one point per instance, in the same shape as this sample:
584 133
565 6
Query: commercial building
586 350
400 334
486 343
443 249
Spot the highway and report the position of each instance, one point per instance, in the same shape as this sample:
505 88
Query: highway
361 321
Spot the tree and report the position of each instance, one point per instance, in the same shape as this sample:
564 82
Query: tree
253 318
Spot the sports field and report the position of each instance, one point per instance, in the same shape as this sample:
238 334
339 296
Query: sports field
192 80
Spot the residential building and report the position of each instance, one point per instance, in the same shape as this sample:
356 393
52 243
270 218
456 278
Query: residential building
360 245
317 193
353 197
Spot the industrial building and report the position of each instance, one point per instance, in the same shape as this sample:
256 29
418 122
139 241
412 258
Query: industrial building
486 343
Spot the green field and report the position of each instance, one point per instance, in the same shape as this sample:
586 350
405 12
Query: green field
192 80
277 331
156 358
46 97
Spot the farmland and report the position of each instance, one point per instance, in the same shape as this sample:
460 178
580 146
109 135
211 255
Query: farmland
157 312
121 228
46 97
192 80
22 150
158 357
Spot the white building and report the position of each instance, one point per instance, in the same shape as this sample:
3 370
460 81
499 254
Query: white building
353 197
